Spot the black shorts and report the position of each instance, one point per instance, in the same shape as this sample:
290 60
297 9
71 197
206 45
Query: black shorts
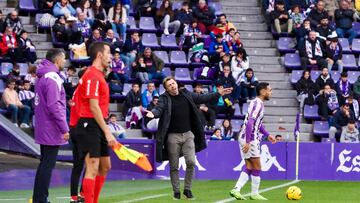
91 138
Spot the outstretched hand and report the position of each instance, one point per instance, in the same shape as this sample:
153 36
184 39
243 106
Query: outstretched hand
272 139
149 114
223 91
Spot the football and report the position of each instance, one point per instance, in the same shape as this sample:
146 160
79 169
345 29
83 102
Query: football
293 193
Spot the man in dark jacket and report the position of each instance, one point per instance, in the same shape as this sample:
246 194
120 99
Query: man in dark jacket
132 47
324 29
205 16
181 131
324 79
317 14
340 120
344 19
312 52
154 65
334 54
146 8
281 19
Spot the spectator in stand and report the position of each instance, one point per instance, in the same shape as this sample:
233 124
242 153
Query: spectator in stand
192 34
327 101
115 43
224 104
334 54
165 18
146 8
69 82
26 49
216 135
118 69
116 129
353 105
205 16
343 88
226 80
268 6
350 134
118 19
31 76
132 47
297 16
248 84
154 65
222 26
184 15
139 70
14 74
218 48
96 37
208 111
46 4
279 138
13 104
2 23
324 79
324 29
148 94
12 20
340 120
63 32
312 51
132 107
233 42
318 13
152 124
356 88
344 18
26 96
225 61
306 90
63 8
281 19
302 32
82 25
84 7
330 6
239 63
8 44
98 14
226 130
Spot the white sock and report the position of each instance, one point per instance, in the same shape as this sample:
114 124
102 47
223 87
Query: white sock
255 184
244 177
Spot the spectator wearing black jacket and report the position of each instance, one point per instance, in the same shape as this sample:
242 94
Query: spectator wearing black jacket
13 20
344 19
334 54
227 81
324 29
146 8
328 102
133 100
62 32
115 43
340 120
317 13
26 49
306 90
184 15
312 52
132 47
302 32
205 16
281 19
344 88
324 79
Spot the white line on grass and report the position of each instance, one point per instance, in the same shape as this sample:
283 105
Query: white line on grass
260 191
18 199
144 198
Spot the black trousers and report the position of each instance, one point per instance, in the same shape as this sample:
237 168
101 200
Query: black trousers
209 117
78 164
322 63
43 173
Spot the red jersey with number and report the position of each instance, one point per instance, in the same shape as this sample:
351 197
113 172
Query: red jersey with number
92 85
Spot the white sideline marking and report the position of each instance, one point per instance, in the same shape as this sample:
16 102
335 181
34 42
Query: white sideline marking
18 199
260 191
143 198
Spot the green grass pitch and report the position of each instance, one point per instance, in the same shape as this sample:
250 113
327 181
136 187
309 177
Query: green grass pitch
204 191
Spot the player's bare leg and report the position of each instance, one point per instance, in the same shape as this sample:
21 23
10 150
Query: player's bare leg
255 179
104 168
244 177
92 168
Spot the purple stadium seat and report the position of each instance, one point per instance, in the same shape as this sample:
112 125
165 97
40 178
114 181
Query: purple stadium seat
311 112
356 28
356 46
161 89
163 55
132 24
321 128
345 45
236 125
2 86
127 88
284 45
292 61
295 76
196 72
168 42
177 5
335 76
349 62
38 25
353 76
150 40
237 113
166 71
207 41
147 24
6 68
23 68
183 75
217 7
27 6
194 64
178 58
189 88
245 109
315 74
218 123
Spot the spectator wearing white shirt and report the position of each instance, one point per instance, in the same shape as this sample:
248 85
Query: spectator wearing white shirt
116 129
26 96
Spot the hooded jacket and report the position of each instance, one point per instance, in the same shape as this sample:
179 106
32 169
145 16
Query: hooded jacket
50 106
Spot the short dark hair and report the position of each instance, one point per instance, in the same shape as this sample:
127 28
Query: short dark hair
351 121
261 86
185 3
72 68
52 54
278 136
135 83
344 74
112 115
223 14
10 80
81 72
97 47
25 82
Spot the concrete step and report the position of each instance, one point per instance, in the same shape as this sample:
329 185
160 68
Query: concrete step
289 102
267 68
249 3
264 60
39 37
26 20
114 107
6 10
276 85
236 10
279 119
255 35
251 26
30 28
134 134
284 94
261 51
41 54
258 43
273 76
281 111
246 19
43 45
289 136
274 127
